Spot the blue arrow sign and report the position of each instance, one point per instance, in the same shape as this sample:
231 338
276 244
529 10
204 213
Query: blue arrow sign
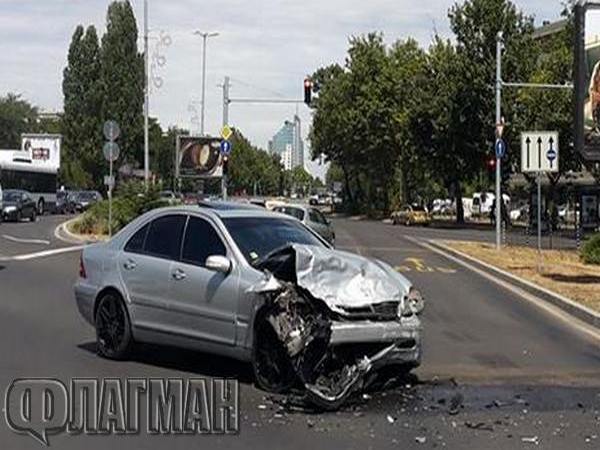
225 147
500 148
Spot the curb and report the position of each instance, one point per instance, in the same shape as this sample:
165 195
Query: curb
566 304
63 233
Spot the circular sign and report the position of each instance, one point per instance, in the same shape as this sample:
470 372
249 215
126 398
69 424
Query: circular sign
500 148
225 147
111 151
551 155
111 130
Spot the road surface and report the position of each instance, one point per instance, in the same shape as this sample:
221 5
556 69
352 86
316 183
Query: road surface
497 372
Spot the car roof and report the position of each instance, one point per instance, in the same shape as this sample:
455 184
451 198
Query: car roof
224 210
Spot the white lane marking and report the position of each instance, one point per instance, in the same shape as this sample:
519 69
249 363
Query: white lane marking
46 253
554 311
25 240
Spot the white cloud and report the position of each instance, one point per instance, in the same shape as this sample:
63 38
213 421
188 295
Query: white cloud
266 47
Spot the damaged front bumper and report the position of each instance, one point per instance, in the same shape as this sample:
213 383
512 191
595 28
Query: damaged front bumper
403 337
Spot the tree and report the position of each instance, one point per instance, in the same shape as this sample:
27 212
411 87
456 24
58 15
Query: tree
82 119
17 116
122 74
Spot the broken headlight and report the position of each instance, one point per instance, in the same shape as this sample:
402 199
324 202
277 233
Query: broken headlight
414 303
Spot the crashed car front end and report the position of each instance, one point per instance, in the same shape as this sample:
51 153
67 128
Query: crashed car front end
330 319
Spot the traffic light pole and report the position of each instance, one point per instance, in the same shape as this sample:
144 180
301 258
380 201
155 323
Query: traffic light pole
499 202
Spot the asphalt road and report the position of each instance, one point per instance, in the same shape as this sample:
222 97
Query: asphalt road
498 372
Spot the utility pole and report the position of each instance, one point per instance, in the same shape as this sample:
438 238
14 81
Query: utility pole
226 101
146 99
204 36
499 202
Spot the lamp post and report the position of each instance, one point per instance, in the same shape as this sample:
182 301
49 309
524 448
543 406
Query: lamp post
205 36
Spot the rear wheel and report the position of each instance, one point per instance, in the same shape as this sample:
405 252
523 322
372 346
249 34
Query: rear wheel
41 207
113 329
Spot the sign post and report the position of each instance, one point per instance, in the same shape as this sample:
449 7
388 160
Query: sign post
539 155
111 154
226 133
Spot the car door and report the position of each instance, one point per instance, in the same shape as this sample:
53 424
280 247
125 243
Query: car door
144 264
27 205
317 222
203 303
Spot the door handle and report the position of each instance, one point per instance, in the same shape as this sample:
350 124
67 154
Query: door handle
178 275
129 264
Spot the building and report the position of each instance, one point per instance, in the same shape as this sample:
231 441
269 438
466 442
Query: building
289 139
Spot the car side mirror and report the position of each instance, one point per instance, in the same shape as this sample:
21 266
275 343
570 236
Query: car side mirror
218 263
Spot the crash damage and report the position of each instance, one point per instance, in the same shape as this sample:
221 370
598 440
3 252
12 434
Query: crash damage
329 320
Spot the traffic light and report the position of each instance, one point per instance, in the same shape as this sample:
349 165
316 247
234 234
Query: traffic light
491 163
307 90
225 165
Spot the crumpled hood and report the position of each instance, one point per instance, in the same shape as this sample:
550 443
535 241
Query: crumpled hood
342 279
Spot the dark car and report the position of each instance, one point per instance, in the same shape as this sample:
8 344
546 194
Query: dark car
83 200
65 202
17 205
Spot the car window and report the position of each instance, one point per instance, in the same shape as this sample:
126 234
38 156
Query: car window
321 217
201 241
258 236
313 216
136 242
290 211
164 237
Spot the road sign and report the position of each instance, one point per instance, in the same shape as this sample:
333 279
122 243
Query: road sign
539 151
111 151
111 130
226 132
225 147
500 148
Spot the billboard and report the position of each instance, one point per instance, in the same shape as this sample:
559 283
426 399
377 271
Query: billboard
199 157
587 80
41 150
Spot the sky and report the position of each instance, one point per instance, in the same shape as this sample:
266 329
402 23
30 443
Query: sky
265 46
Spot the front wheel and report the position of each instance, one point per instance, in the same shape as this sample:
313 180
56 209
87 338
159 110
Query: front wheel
33 216
273 370
113 329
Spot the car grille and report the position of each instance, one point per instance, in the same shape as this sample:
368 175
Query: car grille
380 311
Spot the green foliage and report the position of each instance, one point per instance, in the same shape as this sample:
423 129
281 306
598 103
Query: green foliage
131 200
82 120
16 116
122 74
590 253
253 171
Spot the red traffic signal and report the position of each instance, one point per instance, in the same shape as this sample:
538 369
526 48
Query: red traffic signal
308 85
491 163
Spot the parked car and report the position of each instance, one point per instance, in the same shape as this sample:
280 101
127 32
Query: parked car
83 200
411 215
254 285
17 205
169 196
312 218
64 202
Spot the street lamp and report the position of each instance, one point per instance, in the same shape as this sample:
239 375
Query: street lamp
205 36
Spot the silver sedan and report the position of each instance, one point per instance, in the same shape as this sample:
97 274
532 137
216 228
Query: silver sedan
312 218
256 286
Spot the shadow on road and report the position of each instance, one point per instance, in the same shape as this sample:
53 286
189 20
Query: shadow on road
202 364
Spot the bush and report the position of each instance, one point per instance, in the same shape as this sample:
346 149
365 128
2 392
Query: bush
590 253
130 201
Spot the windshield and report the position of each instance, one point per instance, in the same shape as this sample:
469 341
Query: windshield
294 212
258 236
11 196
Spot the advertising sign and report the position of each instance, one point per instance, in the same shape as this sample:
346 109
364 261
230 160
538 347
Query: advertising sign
199 157
587 79
42 149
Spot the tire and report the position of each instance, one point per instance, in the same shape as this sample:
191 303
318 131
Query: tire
33 216
18 216
113 328
273 371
